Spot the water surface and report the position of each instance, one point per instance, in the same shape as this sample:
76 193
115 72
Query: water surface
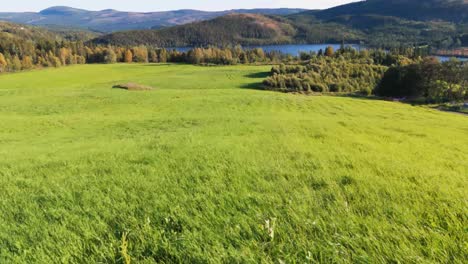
296 49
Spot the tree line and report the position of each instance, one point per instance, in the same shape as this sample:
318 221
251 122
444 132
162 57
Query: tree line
24 55
20 54
429 80
400 73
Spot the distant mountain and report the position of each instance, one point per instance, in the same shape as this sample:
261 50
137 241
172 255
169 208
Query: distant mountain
390 23
347 23
455 11
110 20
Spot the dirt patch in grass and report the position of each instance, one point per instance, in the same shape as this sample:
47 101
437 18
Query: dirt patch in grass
133 87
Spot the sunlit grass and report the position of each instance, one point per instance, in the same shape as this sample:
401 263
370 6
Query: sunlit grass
206 169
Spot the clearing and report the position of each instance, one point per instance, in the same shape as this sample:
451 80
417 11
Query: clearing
208 169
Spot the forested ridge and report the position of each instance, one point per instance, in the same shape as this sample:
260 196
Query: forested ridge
110 20
371 30
384 24
455 11
441 24
244 29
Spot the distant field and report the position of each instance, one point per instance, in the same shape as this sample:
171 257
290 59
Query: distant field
193 171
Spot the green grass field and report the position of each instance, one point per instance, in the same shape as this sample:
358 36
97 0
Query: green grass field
192 172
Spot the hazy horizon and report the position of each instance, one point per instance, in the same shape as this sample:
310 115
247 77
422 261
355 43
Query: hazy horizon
143 6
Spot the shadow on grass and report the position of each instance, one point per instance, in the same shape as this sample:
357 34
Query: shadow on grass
256 85
159 64
358 96
253 86
258 75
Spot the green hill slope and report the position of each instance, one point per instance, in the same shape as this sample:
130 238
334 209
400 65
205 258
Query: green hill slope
203 170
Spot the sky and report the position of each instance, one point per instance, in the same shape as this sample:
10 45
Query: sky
158 5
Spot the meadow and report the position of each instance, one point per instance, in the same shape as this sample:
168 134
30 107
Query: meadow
207 168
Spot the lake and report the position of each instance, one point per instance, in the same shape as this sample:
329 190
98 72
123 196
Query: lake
296 49
291 49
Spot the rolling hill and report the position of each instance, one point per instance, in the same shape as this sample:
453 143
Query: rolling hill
13 30
232 29
24 33
245 29
249 29
428 10
377 23
390 23
110 20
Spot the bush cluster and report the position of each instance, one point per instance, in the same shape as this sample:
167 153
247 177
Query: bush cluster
429 80
325 74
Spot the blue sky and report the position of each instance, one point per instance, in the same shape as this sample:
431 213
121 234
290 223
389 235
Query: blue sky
157 5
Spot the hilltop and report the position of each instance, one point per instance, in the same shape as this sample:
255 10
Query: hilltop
429 10
110 20
245 29
17 31
439 23
390 23
249 29
378 23
25 33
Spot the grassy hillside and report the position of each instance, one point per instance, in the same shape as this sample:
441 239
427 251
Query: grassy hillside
206 169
